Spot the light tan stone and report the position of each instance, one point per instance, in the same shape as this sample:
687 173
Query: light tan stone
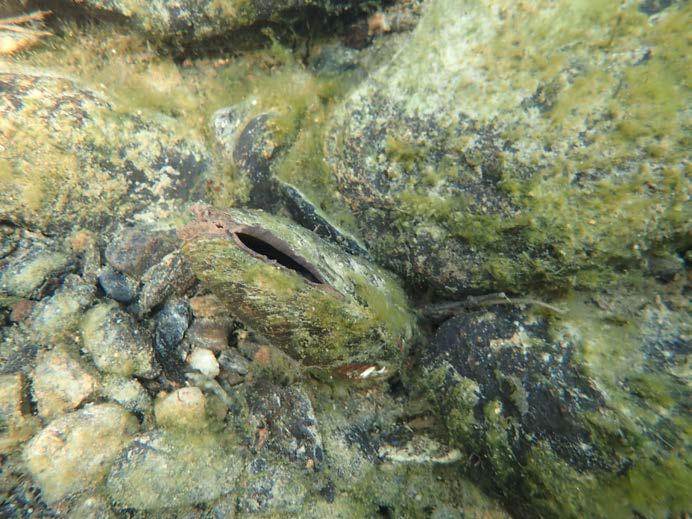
74 452
60 383
19 425
184 407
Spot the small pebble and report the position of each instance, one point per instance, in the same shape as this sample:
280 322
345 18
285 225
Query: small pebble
171 324
117 343
21 310
133 250
60 383
184 407
203 360
117 286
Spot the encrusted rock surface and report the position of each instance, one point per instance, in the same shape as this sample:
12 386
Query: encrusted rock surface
73 452
509 146
60 383
192 20
117 344
577 414
17 423
71 159
184 407
168 469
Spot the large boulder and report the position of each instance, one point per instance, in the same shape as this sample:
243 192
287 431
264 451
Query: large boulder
580 415
508 146
70 159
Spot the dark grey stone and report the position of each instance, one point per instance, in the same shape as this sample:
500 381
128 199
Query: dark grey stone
118 286
171 324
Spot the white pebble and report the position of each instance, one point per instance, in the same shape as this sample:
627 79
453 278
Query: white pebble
203 360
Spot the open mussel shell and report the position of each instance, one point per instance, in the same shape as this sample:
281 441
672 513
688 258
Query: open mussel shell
322 306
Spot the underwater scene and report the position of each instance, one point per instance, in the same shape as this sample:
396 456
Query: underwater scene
345 259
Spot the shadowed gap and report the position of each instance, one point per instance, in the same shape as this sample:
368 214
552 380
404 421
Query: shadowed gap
272 253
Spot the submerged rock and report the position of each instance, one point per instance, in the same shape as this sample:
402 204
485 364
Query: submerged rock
170 276
252 145
30 266
184 407
505 147
59 315
15 417
204 361
130 394
133 250
579 415
72 160
272 488
171 324
321 305
118 286
193 20
60 383
287 422
116 342
94 507
74 451
173 469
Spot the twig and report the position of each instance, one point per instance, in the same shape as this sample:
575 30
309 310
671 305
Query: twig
31 17
24 30
445 310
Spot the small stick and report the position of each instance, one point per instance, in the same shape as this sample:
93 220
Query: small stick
24 30
444 310
31 17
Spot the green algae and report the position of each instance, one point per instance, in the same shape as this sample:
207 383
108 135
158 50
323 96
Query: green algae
174 469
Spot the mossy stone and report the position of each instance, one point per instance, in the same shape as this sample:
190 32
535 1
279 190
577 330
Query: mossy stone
578 415
506 147
71 160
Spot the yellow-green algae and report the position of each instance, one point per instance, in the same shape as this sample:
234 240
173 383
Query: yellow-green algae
579 108
69 158
357 314
140 78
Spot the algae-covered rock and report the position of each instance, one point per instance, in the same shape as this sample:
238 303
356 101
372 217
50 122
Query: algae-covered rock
130 394
59 314
30 266
17 424
272 487
60 383
70 159
508 145
117 344
322 306
74 451
192 20
253 146
584 415
173 469
287 416
184 407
